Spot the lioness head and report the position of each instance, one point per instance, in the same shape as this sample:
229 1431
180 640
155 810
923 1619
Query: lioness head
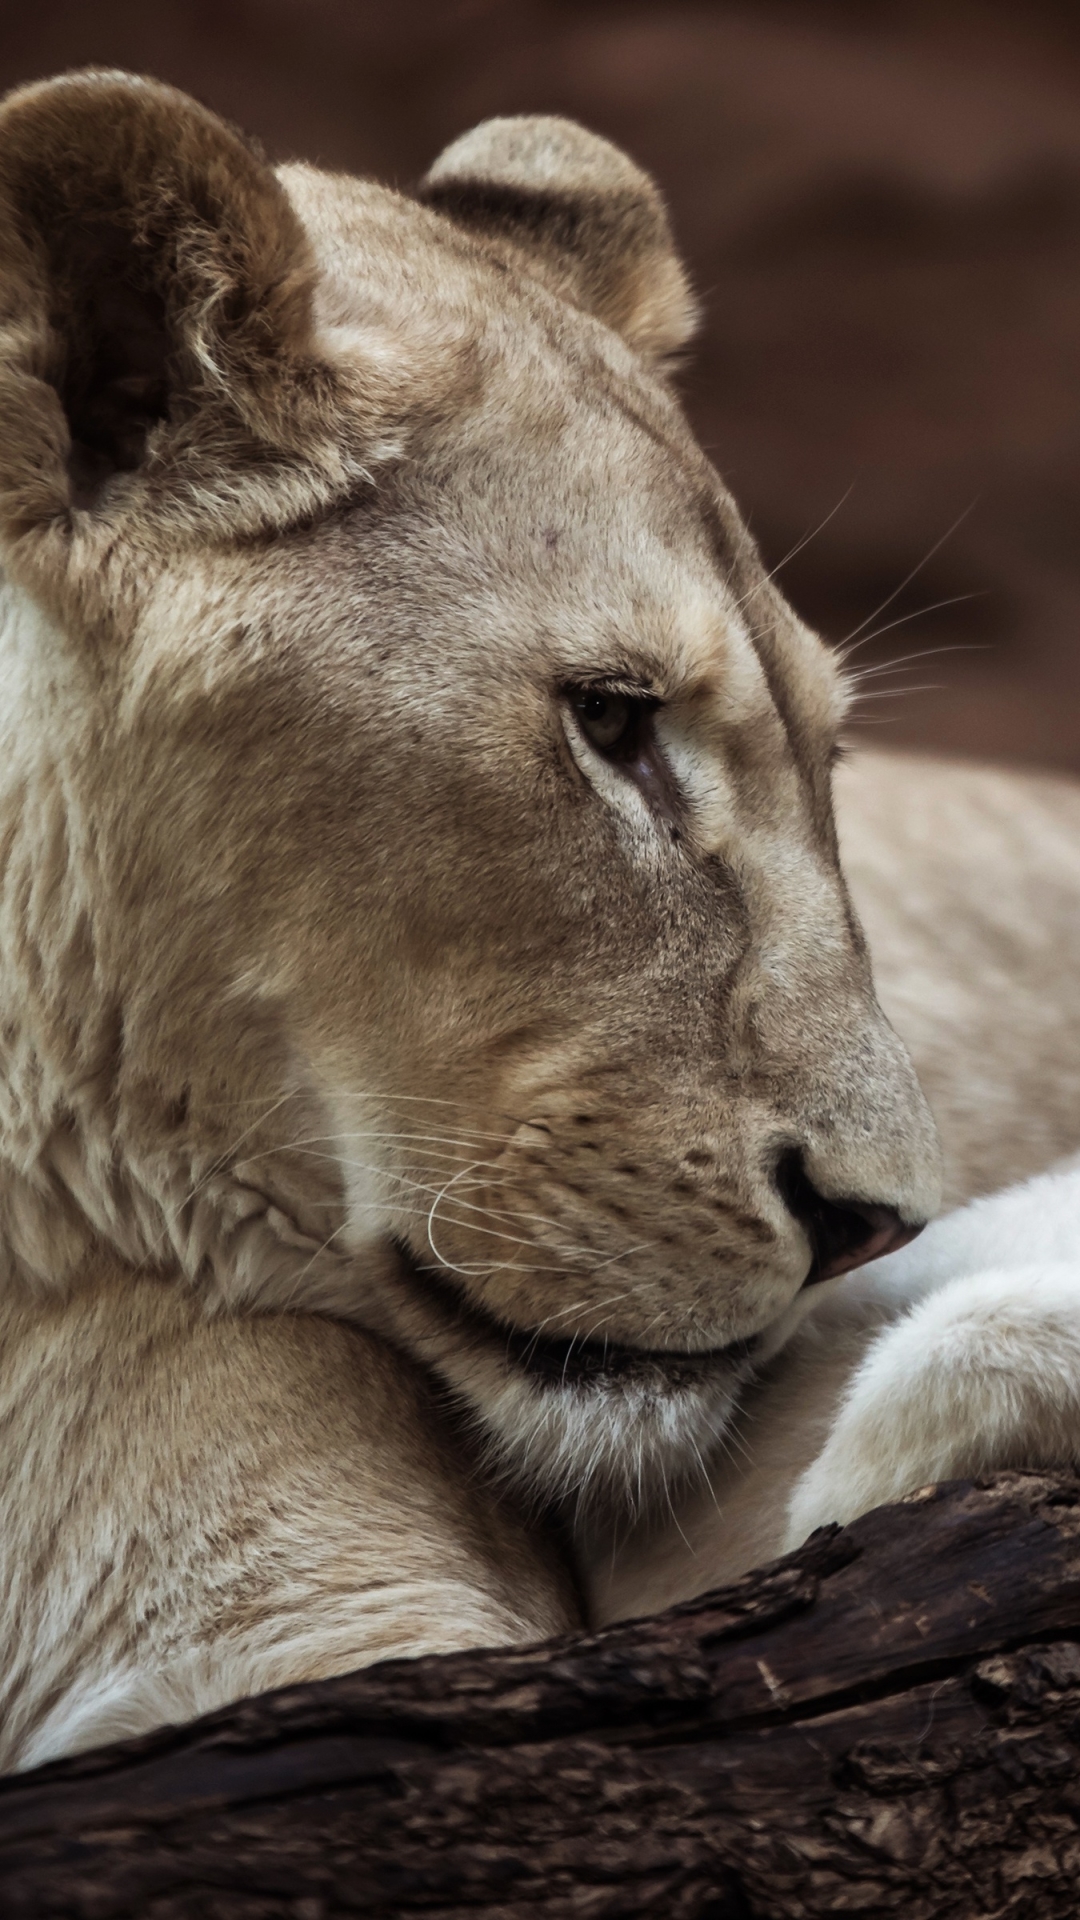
420 896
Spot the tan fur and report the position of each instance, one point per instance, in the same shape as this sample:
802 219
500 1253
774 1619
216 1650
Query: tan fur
954 1358
967 879
340 971
197 1507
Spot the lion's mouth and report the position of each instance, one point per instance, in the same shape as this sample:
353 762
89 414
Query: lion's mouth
570 1361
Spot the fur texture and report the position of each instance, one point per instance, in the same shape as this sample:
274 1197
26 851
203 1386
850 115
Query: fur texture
305 832
967 880
956 1356
350 964
193 1508
340 970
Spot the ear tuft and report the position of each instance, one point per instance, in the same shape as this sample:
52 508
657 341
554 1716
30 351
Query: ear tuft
588 222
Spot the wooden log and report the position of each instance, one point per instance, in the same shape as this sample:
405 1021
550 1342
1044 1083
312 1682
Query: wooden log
886 1722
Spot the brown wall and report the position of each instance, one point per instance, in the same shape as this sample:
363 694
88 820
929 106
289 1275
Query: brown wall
881 205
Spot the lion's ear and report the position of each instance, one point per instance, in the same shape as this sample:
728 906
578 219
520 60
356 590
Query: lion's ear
155 309
589 222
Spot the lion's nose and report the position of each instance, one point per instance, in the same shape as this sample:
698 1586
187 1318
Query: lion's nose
842 1233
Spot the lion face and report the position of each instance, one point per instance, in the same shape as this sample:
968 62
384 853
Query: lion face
450 786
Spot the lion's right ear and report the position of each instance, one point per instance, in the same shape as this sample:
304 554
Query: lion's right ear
155 315
581 216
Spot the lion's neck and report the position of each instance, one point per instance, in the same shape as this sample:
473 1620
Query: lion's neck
97 1151
115 1129
59 1027
62 1182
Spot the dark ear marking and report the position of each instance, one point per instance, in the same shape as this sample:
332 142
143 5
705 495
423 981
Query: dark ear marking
579 215
115 384
543 217
151 269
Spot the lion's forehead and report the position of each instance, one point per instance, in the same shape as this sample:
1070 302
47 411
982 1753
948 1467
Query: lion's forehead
555 457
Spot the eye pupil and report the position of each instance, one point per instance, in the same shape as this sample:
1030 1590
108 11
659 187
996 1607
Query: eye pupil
605 718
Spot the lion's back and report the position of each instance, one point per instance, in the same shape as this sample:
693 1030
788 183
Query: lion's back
967 880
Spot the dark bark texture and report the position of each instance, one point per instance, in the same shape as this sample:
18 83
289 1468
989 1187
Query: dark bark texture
886 1722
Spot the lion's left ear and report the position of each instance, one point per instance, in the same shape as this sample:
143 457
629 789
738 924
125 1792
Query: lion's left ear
588 221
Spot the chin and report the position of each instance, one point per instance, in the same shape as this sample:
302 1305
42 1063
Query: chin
604 1431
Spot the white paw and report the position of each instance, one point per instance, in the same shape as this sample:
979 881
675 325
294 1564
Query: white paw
984 1373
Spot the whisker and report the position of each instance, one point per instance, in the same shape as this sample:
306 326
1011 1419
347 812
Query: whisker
438 1100
579 1306
487 1214
705 1477
900 665
431 1217
299 1278
666 1491
909 577
897 693
844 652
804 541
466 1139
216 1166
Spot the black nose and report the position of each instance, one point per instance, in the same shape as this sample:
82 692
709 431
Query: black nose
842 1233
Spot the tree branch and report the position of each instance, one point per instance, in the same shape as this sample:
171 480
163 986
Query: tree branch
887 1721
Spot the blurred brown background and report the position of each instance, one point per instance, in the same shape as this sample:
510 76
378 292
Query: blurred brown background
881 206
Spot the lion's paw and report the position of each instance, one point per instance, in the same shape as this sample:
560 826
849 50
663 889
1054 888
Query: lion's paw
983 1374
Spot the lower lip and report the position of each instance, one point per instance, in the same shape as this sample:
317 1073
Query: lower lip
570 1362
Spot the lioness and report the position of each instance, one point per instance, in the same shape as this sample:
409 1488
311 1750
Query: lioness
440 1057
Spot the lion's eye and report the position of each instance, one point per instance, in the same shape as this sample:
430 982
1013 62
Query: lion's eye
621 727
607 719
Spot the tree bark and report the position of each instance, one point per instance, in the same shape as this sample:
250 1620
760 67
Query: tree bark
886 1722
